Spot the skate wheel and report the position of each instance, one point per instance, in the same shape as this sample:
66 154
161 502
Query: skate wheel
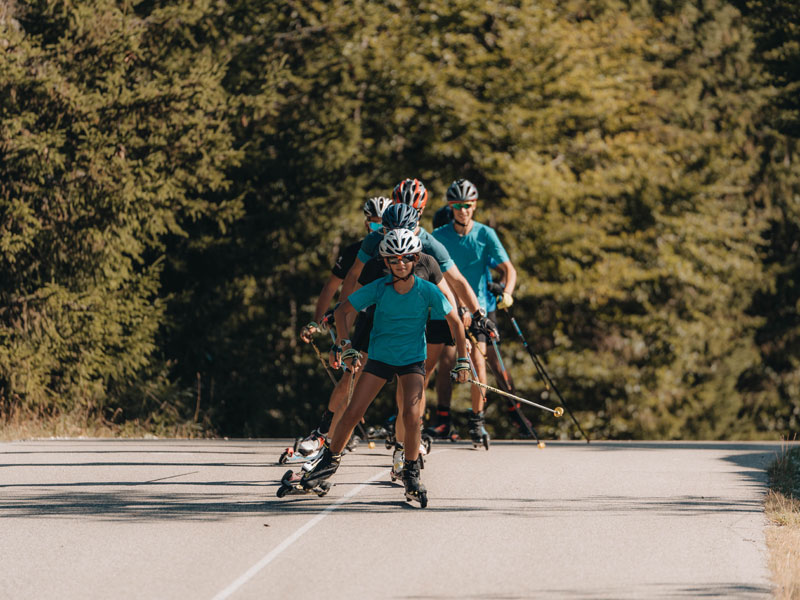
284 456
423 500
324 488
282 491
485 440
389 445
287 477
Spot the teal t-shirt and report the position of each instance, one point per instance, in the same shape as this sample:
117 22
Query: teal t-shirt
369 248
473 253
398 329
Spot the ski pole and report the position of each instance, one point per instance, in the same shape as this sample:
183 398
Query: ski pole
500 361
557 411
548 382
513 404
324 364
350 389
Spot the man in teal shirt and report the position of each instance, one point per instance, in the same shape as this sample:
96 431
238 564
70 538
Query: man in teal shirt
474 247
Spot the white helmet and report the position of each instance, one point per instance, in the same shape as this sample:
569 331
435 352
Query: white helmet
399 242
374 207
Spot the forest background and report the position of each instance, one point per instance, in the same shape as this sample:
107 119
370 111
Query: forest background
176 179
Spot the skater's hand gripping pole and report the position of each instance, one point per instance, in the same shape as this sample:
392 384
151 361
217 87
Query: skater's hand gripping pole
460 372
557 411
306 334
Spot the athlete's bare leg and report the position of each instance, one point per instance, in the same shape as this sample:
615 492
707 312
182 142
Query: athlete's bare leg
364 393
411 409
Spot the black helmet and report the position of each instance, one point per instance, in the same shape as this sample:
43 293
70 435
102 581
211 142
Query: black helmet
400 216
462 190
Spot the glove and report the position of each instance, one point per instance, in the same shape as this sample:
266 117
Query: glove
505 302
335 356
354 356
486 326
327 320
308 331
496 289
462 364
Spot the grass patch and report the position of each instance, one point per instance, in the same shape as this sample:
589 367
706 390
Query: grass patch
782 507
80 426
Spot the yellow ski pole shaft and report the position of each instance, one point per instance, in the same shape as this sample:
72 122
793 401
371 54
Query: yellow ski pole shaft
557 411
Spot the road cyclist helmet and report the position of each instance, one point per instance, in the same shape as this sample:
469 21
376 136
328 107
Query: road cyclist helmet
411 192
400 216
462 190
374 207
399 242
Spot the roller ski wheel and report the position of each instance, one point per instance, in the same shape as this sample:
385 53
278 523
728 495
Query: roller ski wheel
421 497
484 441
291 484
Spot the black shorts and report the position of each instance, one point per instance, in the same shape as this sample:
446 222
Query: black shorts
438 332
361 331
480 336
385 371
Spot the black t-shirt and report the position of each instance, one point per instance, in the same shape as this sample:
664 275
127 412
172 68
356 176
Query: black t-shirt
442 217
427 268
346 260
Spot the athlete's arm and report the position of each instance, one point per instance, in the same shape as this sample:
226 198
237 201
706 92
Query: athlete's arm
325 296
462 289
509 277
448 293
350 284
323 302
457 331
342 343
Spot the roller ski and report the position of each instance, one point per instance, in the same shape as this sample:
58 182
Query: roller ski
312 478
477 430
415 491
291 485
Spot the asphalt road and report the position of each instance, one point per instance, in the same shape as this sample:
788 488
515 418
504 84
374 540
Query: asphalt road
200 519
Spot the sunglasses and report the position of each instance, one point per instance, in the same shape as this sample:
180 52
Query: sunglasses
394 260
460 205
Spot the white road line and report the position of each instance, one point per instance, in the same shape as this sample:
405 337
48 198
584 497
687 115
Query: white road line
275 552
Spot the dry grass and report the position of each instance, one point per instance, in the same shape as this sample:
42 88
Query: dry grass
783 536
75 426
